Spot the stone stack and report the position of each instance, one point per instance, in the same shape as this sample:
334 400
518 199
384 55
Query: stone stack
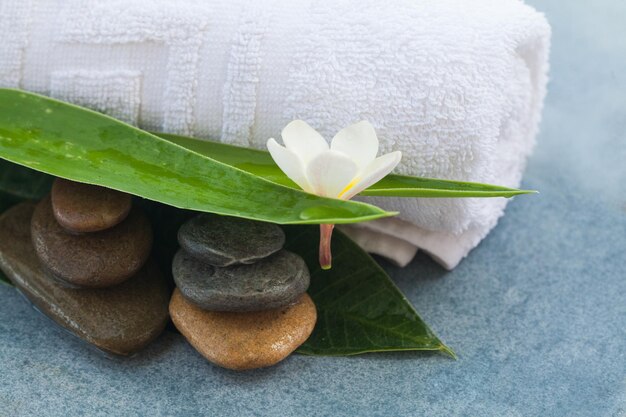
85 263
88 236
241 299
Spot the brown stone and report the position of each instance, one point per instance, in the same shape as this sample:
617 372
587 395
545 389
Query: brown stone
120 320
98 259
242 341
88 208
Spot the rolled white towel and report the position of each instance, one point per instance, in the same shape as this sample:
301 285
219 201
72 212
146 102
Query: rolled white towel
456 85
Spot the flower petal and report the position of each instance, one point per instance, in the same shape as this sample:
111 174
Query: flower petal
303 140
330 172
289 163
358 141
373 173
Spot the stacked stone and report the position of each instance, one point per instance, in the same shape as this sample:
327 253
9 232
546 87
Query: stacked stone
88 236
241 298
91 272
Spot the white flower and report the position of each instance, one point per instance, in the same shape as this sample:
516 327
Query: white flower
342 170
345 169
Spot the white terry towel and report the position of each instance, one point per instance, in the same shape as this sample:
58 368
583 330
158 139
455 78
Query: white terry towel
456 85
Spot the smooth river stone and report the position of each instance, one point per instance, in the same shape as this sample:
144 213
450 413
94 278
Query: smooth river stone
273 282
225 241
88 208
98 259
120 320
242 341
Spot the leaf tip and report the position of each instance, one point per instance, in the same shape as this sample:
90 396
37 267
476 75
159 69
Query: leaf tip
528 192
521 192
446 350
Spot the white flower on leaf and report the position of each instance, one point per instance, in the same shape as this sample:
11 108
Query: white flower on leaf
341 171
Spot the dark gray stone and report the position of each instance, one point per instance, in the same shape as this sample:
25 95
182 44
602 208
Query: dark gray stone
225 241
273 282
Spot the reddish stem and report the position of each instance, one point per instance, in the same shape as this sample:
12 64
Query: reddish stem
326 231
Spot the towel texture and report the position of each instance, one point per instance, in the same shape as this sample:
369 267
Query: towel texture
456 85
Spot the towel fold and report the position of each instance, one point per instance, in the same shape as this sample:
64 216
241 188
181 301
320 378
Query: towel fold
456 85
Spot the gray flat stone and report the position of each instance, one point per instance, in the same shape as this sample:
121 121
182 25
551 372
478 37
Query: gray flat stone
273 282
119 320
225 241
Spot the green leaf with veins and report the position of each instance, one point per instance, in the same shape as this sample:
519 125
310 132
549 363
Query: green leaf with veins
359 307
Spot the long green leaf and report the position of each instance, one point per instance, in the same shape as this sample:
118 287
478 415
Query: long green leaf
260 163
359 308
75 143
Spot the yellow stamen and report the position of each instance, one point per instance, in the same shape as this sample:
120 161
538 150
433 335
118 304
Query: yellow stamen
345 190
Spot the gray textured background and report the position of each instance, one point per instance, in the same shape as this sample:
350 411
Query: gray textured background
537 313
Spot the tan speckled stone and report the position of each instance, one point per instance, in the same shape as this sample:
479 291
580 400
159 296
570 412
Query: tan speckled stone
88 208
242 341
